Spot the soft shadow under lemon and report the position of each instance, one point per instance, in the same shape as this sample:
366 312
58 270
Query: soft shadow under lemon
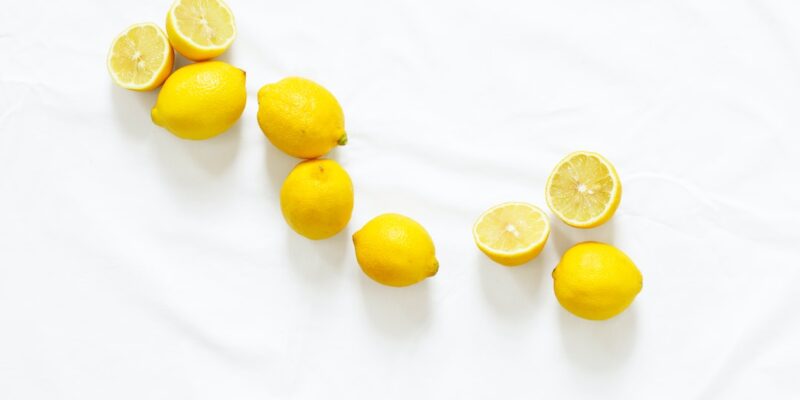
599 345
317 260
511 291
397 312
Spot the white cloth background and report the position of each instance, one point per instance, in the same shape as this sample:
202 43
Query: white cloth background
134 265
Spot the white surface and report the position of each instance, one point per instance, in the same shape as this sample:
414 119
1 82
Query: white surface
134 265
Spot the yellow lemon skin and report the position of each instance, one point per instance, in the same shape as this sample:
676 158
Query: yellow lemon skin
596 281
513 260
395 250
200 101
317 199
300 117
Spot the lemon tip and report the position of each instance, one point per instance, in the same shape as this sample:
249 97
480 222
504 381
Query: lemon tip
154 116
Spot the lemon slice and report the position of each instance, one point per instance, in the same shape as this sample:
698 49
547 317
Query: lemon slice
512 233
584 190
200 29
140 58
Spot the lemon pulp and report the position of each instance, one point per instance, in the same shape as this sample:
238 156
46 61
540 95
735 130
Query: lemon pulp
512 233
200 29
140 58
584 190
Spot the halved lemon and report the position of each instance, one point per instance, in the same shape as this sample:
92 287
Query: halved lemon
512 233
584 190
140 58
200 29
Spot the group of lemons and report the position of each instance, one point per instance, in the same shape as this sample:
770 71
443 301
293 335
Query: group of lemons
303 119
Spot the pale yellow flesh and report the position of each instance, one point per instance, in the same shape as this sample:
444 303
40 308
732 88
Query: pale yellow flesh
583 189
205 23
139 57
511 228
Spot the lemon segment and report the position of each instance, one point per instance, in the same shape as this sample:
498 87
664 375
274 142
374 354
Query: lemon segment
395 250
512 233
583 190
200 29
596 281
140 58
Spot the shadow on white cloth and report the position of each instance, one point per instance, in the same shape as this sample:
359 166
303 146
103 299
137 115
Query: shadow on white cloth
399 313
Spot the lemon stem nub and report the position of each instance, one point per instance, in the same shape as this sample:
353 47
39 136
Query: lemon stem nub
342 140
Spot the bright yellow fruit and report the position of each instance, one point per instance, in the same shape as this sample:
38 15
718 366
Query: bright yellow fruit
301 118
584 190
395 250
200 29
512 233
317 198
596 281
202 100
140 58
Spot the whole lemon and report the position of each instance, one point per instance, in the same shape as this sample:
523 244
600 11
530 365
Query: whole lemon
317 198
395 250
300 117
202 100
596 281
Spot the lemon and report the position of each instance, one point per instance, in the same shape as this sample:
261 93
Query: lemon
317 198
301 117
512 233
584 190
395 250
596 281
200 29
200 101
140 58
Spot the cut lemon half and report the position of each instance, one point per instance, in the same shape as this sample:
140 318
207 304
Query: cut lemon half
200 29
140 58
584 190
512 233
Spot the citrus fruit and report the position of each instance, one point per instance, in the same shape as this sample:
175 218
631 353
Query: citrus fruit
596 281
512 233
300 117
395 250
317 198
200 29
140 58
202 100
583 190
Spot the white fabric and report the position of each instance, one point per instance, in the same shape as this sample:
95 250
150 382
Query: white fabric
134 265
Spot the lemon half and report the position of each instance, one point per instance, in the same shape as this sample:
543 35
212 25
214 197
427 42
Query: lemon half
200 29
140 58
584 190
512 233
